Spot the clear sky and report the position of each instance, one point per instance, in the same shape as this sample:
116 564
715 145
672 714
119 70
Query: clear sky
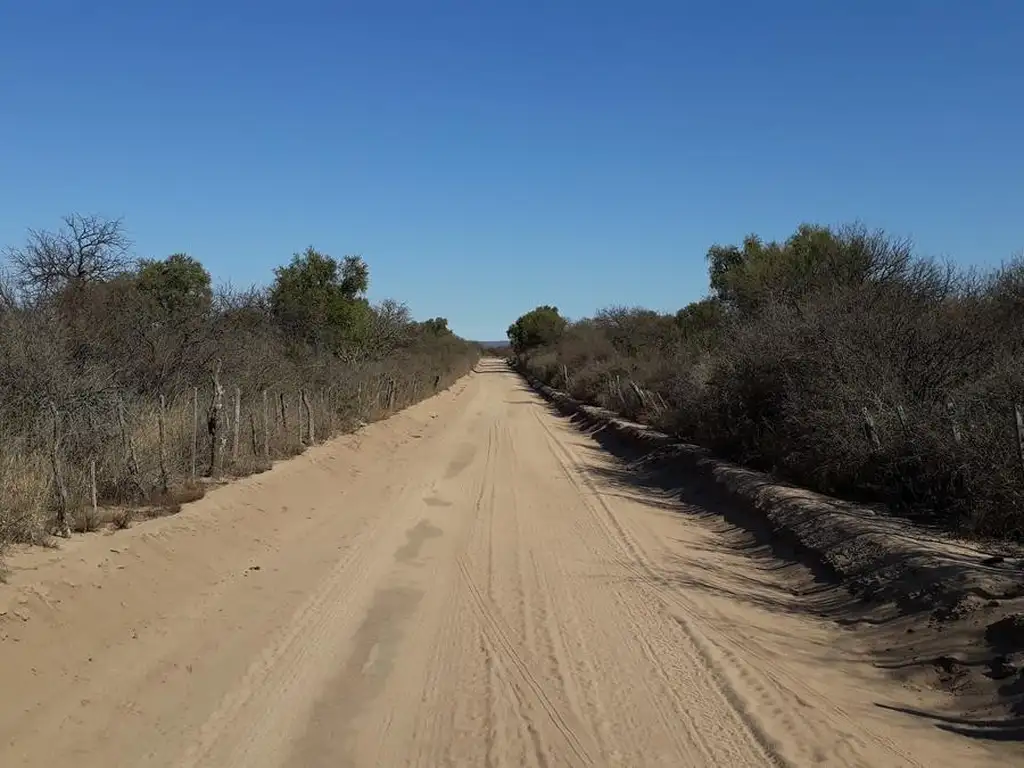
489 156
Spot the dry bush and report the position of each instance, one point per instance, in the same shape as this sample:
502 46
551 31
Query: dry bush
90 342
808 340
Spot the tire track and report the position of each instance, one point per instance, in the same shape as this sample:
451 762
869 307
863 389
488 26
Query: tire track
761 749
454 587
280 666
717 657
497 634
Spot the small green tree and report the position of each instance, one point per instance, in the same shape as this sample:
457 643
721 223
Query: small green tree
537 328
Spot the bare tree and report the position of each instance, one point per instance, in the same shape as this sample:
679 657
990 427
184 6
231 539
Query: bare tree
389 327
8 298
86 249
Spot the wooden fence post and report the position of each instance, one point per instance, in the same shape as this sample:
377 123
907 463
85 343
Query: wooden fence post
310 432
252 427
63 529
236 427
1018 412
640 395
92 488
298 415
284 416
869 429
195 429
266 428
213 422
165 483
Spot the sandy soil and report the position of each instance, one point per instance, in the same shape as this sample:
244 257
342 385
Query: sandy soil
463 584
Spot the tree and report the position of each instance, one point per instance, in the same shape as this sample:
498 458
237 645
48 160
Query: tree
355 276
177 285
537 328
86 249
437 326
319 301
8 296
813 260
390 327
635 330
700 318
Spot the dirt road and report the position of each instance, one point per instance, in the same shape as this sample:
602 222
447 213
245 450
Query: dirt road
463 584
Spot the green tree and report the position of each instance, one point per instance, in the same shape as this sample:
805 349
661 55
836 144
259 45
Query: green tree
700 318
538 327
317 300
177 284
436 326
813 260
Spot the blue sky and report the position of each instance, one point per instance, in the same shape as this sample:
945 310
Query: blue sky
486 157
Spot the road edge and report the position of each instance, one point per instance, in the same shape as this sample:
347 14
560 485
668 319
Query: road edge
880 559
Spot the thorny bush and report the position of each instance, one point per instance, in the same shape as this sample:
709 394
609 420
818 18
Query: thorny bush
90 340
837 359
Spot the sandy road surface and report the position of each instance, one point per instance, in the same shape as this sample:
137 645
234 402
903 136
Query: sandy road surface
459 585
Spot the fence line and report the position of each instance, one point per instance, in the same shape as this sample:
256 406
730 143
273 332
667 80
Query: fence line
149 452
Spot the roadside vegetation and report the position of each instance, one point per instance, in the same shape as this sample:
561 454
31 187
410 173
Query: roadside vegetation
126 383
837 359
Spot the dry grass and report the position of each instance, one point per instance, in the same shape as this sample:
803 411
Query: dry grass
129 489
26 482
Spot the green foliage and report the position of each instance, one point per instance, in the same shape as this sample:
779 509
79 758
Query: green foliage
319 301
436 326
177 284
813 260
536 328
700 319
